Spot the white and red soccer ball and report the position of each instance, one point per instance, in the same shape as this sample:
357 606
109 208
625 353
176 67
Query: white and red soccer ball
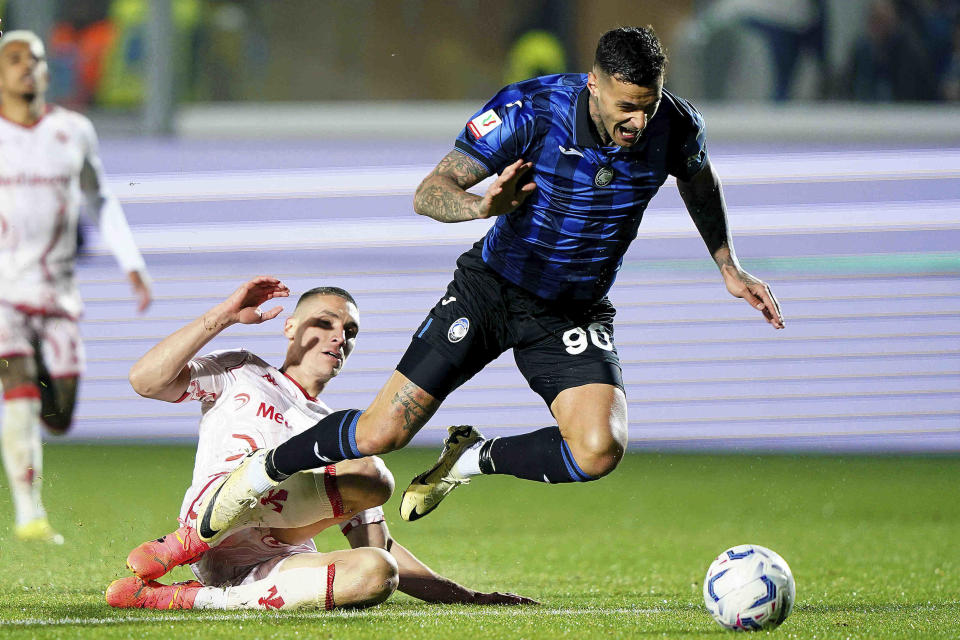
749 588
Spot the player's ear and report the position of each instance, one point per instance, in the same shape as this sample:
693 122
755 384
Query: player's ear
592 83
289 328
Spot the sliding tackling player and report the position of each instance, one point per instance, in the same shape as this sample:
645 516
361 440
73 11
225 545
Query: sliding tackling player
269 560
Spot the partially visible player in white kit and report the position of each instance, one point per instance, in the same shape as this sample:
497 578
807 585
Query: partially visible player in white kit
48 164
269 560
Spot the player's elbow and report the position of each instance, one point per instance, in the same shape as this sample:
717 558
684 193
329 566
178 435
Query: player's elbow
434 197
420 198
139 381
144 383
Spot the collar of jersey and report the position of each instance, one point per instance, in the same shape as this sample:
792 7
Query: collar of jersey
584 134
48 108
297 384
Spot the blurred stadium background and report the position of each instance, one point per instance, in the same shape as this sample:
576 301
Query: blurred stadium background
287 138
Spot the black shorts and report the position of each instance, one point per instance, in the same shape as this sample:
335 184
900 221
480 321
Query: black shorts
556 345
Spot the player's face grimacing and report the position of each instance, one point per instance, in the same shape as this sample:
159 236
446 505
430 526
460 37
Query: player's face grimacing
21 72
621 110
323 331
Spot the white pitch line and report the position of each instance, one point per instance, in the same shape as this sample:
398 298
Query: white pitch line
169 616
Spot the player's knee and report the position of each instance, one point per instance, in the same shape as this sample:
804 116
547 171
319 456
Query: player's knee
379 441
598 453
375 482
377 575
57 423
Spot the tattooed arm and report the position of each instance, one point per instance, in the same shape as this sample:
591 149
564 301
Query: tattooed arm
703 196
443 194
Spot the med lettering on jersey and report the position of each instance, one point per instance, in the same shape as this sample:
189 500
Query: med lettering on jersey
269 412
246 403
567 240
249 404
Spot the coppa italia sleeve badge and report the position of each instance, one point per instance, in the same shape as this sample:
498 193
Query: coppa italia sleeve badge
484 123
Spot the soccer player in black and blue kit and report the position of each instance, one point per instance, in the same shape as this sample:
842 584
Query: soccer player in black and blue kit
578 158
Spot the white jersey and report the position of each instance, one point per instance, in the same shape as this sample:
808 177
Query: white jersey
45 171
247 404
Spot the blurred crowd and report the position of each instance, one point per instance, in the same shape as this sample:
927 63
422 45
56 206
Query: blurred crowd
907 50
864 50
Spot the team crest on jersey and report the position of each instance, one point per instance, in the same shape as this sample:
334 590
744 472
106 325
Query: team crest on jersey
484 123
458 330
604 176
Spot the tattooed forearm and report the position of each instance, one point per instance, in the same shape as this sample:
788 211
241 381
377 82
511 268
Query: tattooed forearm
415 412
442 201
725 258
442 195
703 197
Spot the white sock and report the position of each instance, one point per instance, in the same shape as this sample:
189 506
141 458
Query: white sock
23 456
303 587
211 598
257 474
469 462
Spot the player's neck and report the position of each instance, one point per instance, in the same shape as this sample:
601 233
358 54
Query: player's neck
310 385
597 122
23 110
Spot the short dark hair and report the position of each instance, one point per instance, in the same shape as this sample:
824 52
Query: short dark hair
631 54
326 291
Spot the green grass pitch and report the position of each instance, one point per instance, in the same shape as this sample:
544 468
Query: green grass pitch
872 541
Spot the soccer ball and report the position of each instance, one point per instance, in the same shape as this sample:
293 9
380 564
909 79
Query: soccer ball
748 588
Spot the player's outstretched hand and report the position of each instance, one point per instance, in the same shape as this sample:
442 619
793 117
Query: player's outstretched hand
508 191
243 304
503 598
140 289
755 291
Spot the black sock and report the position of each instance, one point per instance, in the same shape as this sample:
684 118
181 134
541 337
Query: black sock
542 456
329 441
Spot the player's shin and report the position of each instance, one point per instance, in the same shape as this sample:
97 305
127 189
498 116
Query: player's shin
542 456
297 588
22 453
331 440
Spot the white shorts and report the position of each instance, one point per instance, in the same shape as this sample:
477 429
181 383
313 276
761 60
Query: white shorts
246 556
58 338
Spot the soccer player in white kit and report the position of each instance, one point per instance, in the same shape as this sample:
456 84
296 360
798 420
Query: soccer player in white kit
48 164
269 560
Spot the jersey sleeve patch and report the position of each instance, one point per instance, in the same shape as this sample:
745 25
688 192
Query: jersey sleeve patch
484 123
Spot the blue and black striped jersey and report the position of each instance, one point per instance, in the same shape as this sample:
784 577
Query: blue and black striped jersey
567 240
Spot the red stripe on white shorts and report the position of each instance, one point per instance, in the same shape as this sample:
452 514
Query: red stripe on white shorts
333 493
22 391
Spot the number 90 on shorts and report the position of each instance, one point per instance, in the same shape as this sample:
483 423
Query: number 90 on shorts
577 339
